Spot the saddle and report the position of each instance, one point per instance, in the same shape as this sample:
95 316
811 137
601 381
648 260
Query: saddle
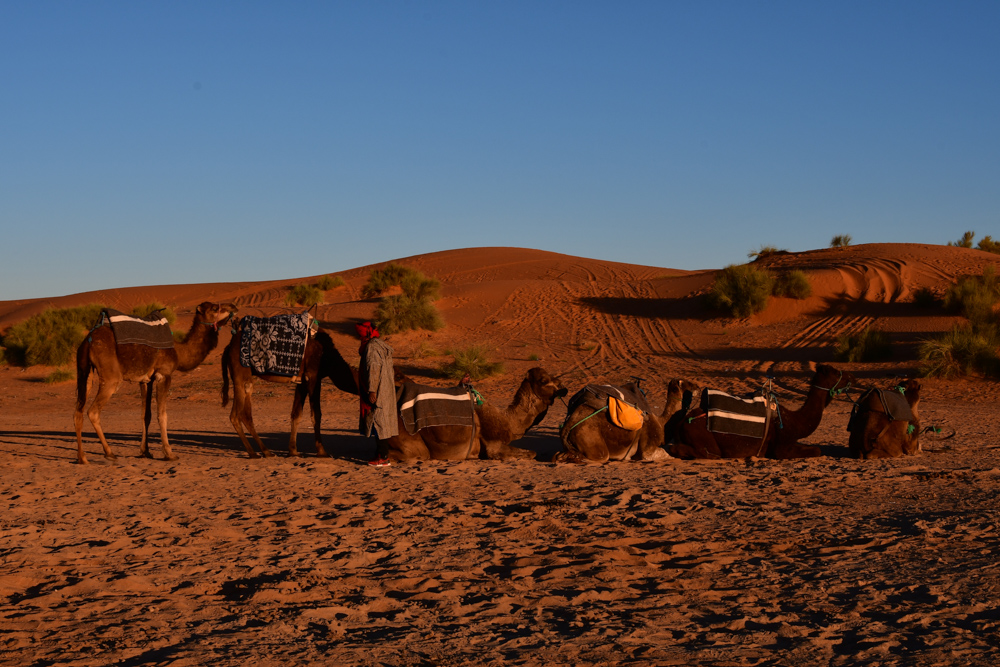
893 404
152 331
626 404
275 345
421 406
736 416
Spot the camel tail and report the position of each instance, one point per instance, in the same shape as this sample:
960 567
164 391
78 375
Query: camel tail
83 368
225 378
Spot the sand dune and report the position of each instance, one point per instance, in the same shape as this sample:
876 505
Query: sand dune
218 559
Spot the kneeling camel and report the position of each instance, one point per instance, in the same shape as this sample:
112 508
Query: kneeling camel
783 432
493 429
587 436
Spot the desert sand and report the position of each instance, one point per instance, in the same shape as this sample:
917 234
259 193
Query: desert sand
218 559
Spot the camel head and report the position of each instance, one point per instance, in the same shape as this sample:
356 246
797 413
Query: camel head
545 386
833 380
214 314
680 395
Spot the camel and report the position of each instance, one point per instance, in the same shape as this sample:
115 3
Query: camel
493 430
783 432
321 360
875 436
143 364
589 437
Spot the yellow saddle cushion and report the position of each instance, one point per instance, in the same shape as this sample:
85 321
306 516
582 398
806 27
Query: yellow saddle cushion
624 415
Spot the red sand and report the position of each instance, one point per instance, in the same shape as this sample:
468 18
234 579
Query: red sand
219 559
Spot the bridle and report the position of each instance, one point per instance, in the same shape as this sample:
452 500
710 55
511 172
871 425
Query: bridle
833 392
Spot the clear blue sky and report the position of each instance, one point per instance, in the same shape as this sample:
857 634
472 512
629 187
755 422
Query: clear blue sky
184 142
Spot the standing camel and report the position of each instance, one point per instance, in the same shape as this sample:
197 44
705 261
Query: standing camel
321 360
587 436
783 432
493 430
143 364
877 435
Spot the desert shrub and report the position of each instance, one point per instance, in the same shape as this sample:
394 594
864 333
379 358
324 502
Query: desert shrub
51 337
60 375
965 241
865 345
473 361
764 251
741 289
413 309
165 311
975 296
925 298
402 313
533 357
989 245
304 295
329 282
965 350
793 284
3 357
840 241
413 283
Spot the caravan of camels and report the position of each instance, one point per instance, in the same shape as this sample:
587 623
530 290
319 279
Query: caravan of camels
607 419
644 481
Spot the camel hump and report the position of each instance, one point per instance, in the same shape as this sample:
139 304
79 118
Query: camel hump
735 416
151 331
892 403
274 345
422 406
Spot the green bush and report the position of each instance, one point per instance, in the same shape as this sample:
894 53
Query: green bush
840 241
965 241
793 284
60 375
51 337
165 311
413 309
764 251
866 345
989 245
741 289
974 296
304 295
403 313
413 283
473 361
329 282
965 350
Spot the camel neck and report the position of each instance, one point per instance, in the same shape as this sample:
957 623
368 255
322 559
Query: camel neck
806 419
200 340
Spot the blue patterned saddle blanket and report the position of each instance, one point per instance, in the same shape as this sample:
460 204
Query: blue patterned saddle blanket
274 345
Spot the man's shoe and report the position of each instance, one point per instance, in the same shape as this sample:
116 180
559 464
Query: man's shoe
380 463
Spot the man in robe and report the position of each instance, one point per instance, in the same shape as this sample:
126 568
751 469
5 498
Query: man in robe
377 392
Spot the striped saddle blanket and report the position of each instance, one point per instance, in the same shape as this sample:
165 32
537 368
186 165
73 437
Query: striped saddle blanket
735 416
421 406
274 345
152 331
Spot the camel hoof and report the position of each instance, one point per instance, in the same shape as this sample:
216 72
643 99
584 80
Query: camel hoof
111 457
253 455
171 458
82 461
293 455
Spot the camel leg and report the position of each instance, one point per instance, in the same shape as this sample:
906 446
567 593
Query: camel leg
146 393
236 416
81 402
317 415
162 392
247 419
105 391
